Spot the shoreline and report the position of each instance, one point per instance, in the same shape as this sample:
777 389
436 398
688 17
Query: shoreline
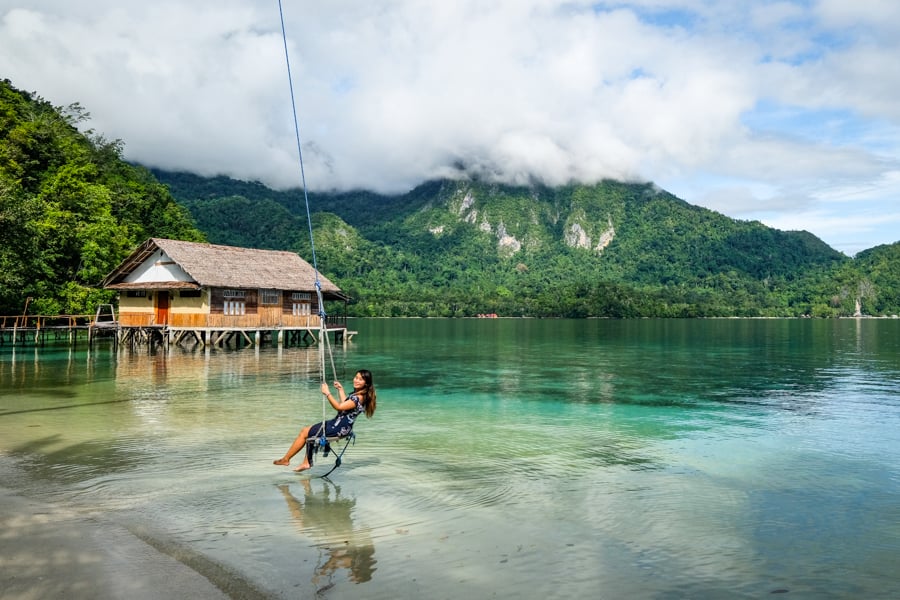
50 551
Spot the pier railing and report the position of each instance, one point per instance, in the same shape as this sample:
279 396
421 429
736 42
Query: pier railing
22 329
44 321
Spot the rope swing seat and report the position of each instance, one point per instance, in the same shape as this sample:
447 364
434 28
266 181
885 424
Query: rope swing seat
323 443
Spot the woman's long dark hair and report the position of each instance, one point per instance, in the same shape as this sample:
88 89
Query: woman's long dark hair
369 392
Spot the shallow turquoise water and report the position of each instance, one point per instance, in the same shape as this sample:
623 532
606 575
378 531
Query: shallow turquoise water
508 458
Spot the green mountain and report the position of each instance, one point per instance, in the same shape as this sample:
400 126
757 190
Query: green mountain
70 208
460 248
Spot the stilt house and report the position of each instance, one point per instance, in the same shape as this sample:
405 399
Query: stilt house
186 285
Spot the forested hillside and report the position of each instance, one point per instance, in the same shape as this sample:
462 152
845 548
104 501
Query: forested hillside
880 286
460 248
70 208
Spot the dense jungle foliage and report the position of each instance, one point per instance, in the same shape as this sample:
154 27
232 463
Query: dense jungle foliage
71 209
462 248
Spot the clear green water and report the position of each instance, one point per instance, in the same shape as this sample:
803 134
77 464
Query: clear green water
507 459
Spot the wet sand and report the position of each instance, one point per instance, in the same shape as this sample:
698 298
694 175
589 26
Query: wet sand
49 551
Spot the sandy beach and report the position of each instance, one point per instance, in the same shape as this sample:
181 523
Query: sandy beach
49 551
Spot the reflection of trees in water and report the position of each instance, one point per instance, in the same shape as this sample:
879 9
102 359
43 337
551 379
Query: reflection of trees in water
326 517
169 383
214 367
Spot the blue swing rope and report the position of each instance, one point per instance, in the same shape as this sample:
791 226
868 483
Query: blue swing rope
323 329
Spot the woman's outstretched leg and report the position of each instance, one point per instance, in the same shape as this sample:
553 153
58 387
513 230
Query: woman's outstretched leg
299 443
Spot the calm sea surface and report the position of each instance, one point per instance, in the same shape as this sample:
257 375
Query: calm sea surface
508 458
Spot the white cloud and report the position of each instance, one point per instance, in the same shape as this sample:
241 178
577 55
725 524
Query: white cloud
880 17
757 107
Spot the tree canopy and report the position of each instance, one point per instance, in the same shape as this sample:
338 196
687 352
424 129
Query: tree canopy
70 207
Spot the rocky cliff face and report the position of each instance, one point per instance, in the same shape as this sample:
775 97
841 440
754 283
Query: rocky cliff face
577 237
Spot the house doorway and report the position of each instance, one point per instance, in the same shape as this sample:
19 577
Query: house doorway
162 308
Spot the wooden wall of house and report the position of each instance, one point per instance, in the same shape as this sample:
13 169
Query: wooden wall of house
233 321
269 316
136 309
208 309
310 321
189 308
135 319
252 321
217 301
188 320
309 317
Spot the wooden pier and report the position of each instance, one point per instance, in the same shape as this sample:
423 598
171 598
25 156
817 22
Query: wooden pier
231 337
37 330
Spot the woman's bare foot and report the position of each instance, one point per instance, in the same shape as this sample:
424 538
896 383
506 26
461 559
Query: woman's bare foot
302 467
281 461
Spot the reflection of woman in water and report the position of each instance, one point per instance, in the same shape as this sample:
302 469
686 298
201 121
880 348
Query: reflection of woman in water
348 407
328 520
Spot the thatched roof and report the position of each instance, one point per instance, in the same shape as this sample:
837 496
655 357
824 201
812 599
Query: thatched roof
211 265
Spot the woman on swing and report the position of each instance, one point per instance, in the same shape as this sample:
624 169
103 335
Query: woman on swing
348 407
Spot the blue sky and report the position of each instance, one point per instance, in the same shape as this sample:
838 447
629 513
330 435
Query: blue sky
779 111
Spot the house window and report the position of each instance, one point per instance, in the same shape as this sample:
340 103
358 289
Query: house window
270 297
234 307
233 293
301 296
136 294
189 293
301 309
